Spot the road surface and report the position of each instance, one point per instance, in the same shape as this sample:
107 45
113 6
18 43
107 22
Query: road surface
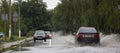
65 44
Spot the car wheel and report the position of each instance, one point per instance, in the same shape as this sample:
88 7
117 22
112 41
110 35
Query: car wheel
44 40
34 40
98 44
76 43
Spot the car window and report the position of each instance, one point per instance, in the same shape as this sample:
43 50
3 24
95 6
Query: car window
87 30
40 34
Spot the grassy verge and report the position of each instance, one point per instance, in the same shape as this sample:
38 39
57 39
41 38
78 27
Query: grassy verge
13 46
10 48
6 40
14 38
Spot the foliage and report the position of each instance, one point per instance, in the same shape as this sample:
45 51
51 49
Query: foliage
30 33
34 16
3 10
101 14
69 15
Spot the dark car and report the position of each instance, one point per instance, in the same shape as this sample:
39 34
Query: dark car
87 35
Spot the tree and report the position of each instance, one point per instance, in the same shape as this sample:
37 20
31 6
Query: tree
34 15
3 10
101 14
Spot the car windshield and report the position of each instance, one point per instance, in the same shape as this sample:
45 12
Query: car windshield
39 33
87 30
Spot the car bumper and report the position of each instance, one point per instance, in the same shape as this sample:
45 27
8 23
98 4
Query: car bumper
39 38
87 40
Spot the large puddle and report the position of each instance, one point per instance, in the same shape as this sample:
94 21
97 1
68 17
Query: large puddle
65 44
26 46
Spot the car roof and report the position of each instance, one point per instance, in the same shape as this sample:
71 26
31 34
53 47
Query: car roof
39 30
87 30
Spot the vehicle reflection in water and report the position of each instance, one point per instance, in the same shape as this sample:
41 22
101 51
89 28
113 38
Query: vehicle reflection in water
27 45
21 48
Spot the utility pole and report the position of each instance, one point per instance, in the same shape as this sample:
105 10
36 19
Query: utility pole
19 18
10 31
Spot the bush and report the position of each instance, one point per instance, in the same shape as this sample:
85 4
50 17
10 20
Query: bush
30 33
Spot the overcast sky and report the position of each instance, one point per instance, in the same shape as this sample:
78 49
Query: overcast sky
51 3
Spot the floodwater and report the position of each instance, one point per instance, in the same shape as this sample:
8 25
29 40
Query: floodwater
65 44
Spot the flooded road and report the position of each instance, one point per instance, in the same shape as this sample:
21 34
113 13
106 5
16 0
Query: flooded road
65 44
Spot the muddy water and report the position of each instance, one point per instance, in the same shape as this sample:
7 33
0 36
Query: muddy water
65 44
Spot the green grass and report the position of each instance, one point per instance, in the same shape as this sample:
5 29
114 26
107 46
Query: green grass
6 39
10 48
13 38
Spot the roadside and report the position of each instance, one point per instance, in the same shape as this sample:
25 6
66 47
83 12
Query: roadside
10 45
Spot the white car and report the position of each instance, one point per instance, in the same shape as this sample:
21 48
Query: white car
39 35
